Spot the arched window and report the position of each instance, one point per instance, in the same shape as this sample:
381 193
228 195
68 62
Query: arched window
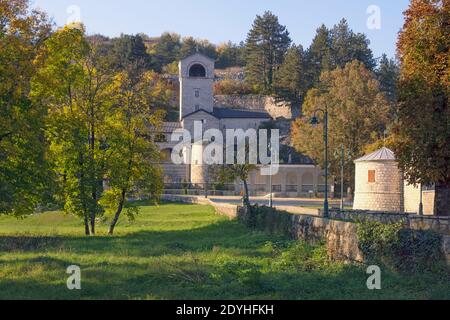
197 71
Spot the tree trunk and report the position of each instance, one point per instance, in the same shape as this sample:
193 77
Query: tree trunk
118 213
86 225
246 195
94 173
442 199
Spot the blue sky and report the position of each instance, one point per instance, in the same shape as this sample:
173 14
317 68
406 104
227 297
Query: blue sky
223 20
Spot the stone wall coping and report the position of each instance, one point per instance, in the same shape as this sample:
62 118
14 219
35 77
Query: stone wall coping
387 214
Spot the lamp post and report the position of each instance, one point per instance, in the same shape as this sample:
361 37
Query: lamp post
314 122
342 176
421 201
270 178
206 183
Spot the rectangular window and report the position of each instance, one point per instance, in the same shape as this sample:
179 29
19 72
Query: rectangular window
197 93
197 107
372 175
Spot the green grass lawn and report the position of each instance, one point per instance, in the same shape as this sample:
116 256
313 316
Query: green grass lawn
177 251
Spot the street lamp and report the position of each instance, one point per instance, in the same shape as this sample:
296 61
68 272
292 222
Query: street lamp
206 183
270 178
315 122
421 201
342 177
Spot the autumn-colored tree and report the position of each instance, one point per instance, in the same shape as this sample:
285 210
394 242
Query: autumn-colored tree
23 167
132 158
358 114
422 133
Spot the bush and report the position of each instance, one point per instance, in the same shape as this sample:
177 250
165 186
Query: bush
398 248
232 87
243 272
303 257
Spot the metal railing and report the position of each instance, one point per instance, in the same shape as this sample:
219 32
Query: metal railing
292 188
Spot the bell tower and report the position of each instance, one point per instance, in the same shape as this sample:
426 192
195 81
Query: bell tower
196 74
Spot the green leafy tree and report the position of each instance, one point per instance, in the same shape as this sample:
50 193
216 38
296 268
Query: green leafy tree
230 55
422 133
132 158
190 46
290 82
266 45
73 84
166 50
231 173
24 178
358 115
130 49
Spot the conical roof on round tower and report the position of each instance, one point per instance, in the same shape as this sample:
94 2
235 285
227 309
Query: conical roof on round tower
384 154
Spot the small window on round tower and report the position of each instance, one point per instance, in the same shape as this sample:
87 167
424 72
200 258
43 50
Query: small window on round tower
372 176
197 71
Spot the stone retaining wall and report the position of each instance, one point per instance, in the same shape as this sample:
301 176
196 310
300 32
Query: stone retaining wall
340 237
339 232
438 224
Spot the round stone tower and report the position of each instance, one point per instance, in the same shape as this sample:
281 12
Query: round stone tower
199 169
378 183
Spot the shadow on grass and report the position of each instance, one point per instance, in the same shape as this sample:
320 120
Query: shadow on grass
226 234
219 261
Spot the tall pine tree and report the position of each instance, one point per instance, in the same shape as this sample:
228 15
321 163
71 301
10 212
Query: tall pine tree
290 83
347 46
318 56
266 45
331 49
388 73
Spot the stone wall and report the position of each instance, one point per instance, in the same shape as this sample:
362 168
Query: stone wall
340 237
437 224
339 232
255 103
